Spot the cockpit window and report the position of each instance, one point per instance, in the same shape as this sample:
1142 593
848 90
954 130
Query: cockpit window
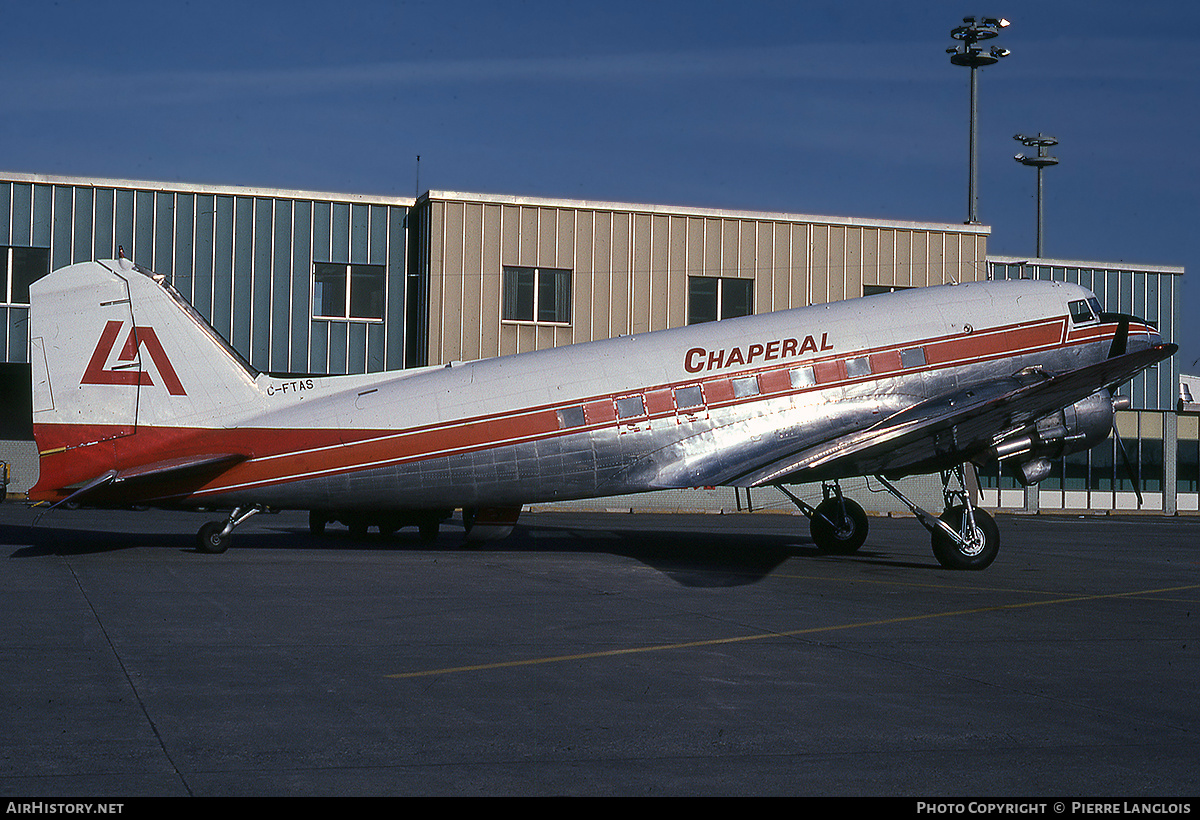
1081 312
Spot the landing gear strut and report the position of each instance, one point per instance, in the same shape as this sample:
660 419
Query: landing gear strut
838 524
964 536
215 536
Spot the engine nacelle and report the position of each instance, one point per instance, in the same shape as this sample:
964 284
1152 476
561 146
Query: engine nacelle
1079 427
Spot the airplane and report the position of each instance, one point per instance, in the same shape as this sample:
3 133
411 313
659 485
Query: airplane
139 401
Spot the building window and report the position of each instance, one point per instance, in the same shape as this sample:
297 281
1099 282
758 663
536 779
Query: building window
711 298
537 295
19 268
343 291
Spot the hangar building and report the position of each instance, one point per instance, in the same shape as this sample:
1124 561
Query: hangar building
322 283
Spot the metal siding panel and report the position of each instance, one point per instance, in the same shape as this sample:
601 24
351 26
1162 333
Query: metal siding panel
527 247
223 271
819 263
6 203
337 347
260 323
640 278
243 278
547 238
451 296
143 229
43 214
619 299
339 238
322 233
376 348
302 265
360 233
281 285
123 225
853 281
22 215
185 216
81 242
660 272
397 278
583 285
377 254
202 274
164 233
490 262
62 210
472 317
602 276
318 348
356 347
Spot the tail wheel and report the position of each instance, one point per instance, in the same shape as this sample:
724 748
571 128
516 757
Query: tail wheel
210 539
836 533
983 542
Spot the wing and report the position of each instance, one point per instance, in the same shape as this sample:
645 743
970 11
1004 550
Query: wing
947 430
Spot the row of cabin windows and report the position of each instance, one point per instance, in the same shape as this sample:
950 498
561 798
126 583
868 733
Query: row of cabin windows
689 399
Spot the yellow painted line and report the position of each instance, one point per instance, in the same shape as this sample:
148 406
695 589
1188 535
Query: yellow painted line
610 653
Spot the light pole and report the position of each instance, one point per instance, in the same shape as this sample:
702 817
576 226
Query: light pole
973 55
1042 160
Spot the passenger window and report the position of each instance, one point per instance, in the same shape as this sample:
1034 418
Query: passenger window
803 377
630 407
570 417
745 387
687 397
858 366
913 357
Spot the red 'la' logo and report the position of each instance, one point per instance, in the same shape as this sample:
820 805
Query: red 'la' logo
138 337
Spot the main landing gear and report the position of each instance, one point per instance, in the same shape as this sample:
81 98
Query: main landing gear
963 537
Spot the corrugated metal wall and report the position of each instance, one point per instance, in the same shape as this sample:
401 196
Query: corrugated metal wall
630 266
243 257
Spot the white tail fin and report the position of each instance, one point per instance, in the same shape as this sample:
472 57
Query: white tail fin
121 361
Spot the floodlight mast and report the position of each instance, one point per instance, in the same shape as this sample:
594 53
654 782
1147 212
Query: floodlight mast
974 56
1042 160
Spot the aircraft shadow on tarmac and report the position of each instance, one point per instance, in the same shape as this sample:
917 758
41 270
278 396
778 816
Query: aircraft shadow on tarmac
695 558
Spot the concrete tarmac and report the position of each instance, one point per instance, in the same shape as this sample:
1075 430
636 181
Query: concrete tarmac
596 654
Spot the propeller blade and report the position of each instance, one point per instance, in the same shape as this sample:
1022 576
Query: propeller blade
1120 341
1129 471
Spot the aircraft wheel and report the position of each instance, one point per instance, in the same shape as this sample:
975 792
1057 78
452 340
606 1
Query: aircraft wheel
429 530
844 538
984 542
210 540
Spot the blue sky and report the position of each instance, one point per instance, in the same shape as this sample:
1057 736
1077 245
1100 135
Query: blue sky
834 108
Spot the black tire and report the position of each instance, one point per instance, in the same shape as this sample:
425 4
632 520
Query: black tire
836 535
210 540
952 555
429 531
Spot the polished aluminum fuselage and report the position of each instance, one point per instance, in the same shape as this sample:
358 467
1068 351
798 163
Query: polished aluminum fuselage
564 423
170 415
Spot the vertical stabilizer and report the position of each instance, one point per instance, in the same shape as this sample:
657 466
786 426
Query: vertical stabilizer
121 361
